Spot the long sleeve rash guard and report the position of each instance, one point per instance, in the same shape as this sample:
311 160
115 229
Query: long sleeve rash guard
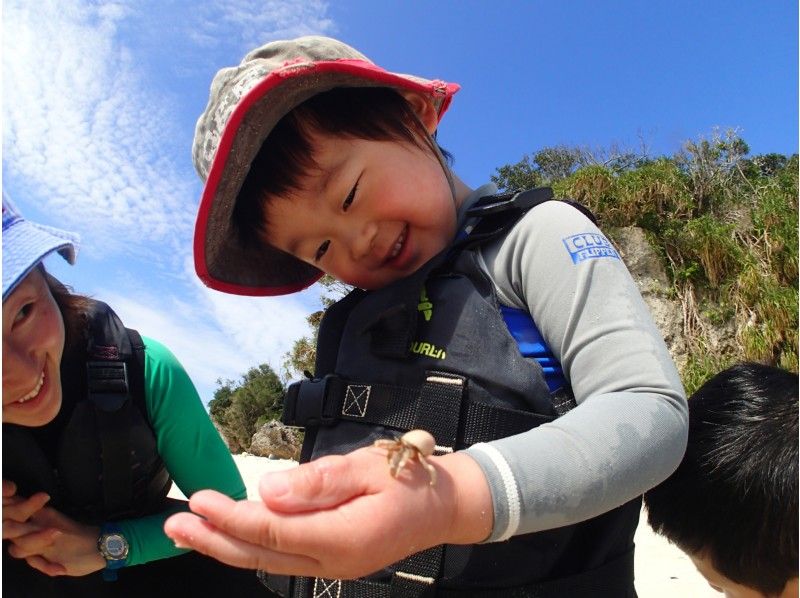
192 450
629 429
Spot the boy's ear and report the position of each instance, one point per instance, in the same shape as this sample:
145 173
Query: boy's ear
425 109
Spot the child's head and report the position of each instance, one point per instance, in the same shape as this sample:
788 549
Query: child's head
350 182
287 133
732 504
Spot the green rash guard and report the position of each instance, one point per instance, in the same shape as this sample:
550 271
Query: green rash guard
192 450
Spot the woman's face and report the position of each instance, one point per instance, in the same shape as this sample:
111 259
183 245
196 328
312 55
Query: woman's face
33 342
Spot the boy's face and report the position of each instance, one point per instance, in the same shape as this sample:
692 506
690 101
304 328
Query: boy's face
374 212
730 588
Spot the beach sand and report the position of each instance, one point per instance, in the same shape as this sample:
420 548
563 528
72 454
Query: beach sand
662 571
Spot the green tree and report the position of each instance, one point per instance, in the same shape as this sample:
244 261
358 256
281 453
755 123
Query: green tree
240 408
522 175
300 359
555 164
724 223
223 396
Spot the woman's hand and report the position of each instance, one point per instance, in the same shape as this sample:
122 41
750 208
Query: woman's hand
18 510
341 516
58 545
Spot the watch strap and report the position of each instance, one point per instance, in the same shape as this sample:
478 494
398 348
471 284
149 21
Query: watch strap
112 564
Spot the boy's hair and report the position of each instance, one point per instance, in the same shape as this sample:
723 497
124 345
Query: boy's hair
733 499
371 113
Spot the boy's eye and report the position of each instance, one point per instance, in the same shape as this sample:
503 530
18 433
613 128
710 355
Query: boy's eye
321 251
350 197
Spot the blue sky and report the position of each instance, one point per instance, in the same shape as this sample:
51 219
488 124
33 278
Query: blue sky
100 101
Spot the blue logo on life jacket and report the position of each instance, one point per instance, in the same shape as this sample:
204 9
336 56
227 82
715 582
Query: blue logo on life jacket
587 246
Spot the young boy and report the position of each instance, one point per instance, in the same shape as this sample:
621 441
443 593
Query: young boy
732 503
316 160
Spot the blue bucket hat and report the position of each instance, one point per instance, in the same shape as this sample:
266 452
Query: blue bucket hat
26 243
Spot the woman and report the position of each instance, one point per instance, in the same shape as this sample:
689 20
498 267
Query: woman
97 422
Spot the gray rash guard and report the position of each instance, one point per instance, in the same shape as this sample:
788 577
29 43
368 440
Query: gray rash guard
629 429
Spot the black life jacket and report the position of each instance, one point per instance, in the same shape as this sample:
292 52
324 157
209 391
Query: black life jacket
432 351
98 458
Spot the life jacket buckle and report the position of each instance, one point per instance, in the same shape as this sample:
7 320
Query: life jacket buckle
523 200
305 403
107 384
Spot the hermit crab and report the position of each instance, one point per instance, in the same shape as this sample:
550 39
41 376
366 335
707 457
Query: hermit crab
415 444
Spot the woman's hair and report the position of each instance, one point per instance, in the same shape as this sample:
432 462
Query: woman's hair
74 310
371 113
733 499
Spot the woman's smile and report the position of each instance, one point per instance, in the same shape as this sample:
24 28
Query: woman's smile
33 343
34 392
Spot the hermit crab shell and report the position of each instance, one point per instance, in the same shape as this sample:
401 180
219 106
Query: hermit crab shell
420 440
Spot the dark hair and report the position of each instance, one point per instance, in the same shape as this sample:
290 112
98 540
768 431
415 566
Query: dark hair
372 113
73 308
733 499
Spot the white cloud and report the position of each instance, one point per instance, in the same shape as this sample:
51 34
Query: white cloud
259 21
95 136
263 328
212 334
82 129
90 123
243 333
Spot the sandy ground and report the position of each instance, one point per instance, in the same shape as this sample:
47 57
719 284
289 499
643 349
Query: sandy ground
662 571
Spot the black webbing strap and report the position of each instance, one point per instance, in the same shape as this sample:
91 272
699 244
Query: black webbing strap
402 585
492 215
439 407
107 384
324 401
614 579
417 576
484 423
135 373
318 587
438 410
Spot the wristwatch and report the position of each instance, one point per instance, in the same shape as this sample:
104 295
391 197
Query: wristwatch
113 547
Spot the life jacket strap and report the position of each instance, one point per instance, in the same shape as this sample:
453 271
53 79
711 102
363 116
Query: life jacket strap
491 215
417 576
611 580
324 401
108 389
439 407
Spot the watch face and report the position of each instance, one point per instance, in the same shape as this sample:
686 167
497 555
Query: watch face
115 546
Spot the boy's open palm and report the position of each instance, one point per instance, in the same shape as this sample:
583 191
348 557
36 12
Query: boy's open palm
340 517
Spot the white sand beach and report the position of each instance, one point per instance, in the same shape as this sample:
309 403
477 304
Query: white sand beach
662 571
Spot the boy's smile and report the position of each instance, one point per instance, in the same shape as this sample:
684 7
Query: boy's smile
373 212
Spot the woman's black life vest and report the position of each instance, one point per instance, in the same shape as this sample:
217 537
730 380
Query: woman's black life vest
98 458
432 351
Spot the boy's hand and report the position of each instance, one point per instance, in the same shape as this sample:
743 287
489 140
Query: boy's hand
341 516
